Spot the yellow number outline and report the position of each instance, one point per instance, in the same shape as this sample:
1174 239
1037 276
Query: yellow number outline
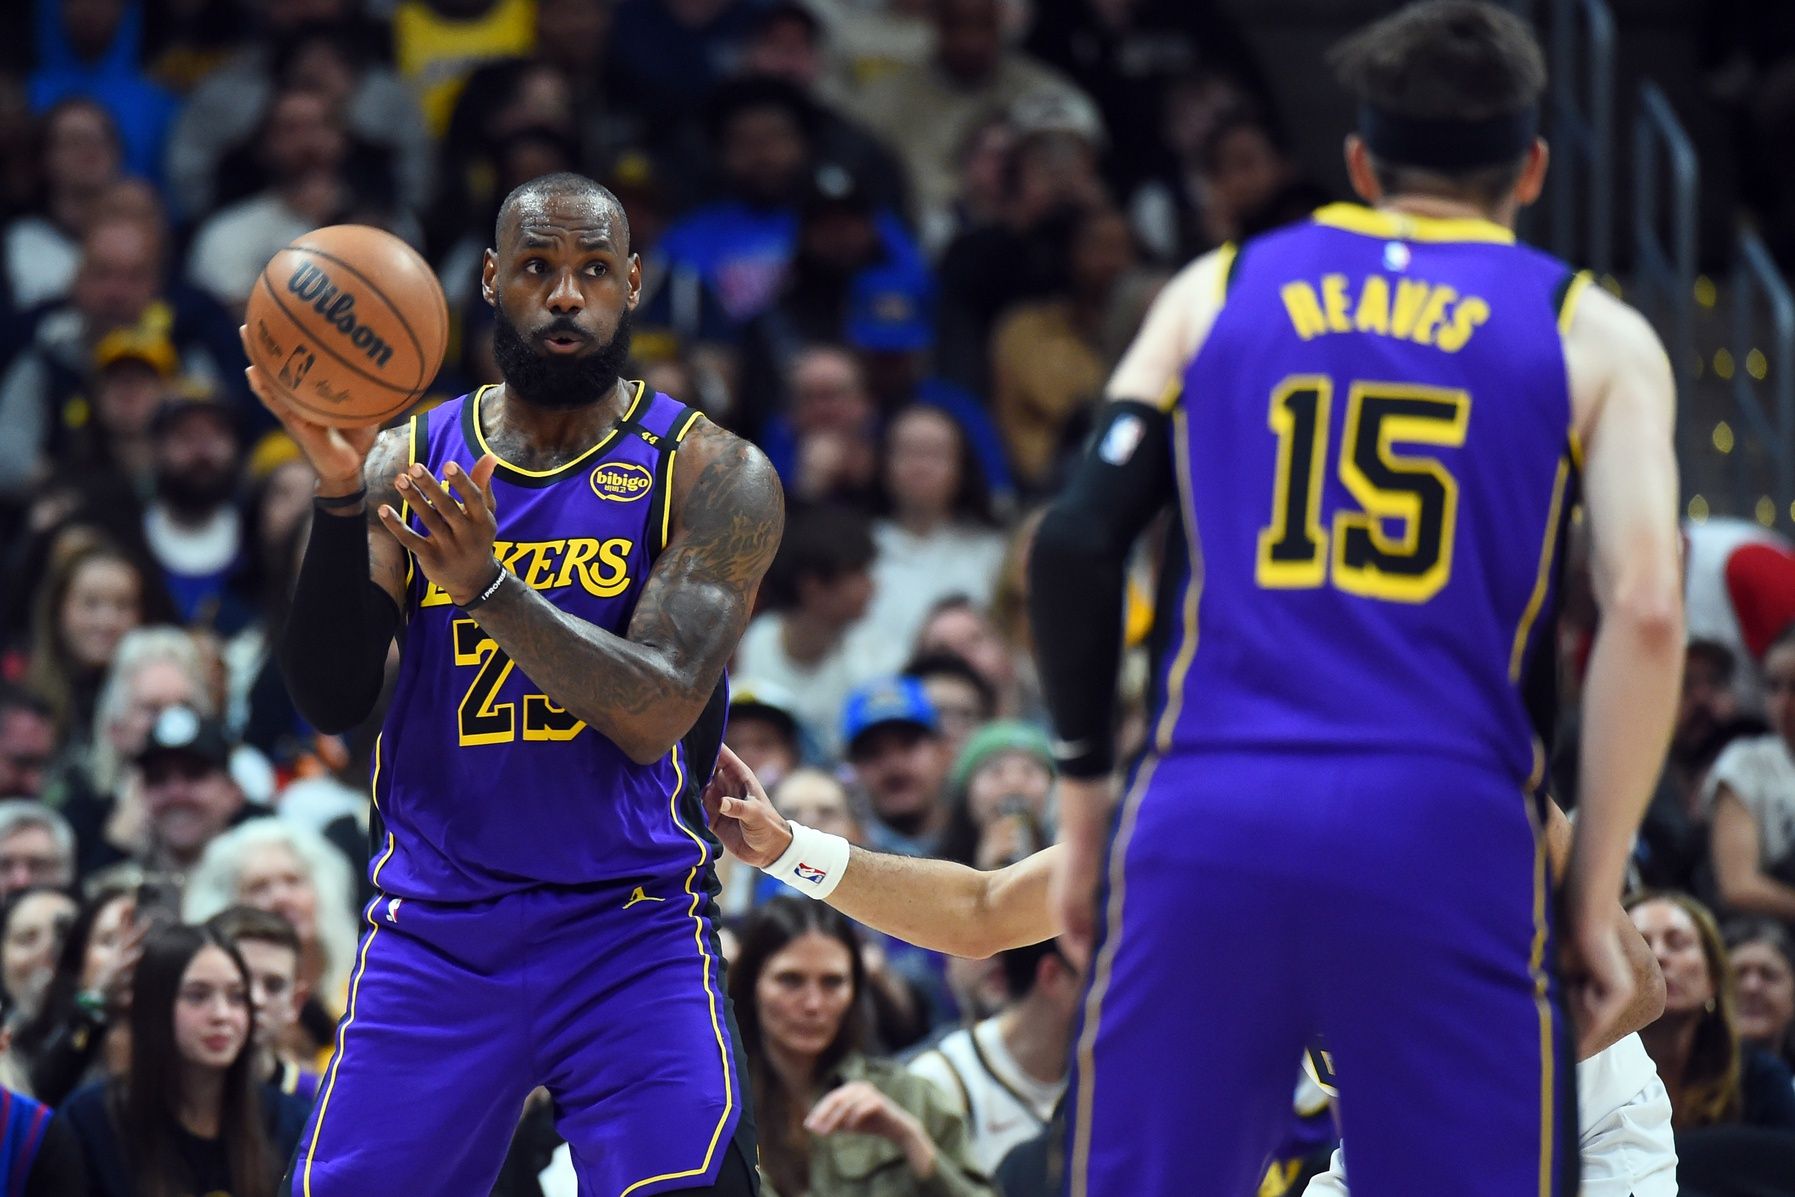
1445 428
1269 572
543 721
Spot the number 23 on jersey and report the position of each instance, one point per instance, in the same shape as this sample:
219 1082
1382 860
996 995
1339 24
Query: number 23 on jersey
1398 544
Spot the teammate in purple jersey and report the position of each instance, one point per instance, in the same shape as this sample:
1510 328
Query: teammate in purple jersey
1373 427
572 559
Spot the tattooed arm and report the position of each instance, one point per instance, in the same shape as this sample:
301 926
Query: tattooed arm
646 689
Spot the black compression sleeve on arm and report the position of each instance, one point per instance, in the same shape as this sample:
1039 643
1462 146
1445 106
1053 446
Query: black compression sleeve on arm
1077 571
333 648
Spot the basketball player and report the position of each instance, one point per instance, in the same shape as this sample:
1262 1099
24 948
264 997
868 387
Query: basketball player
573 558
1376 423
1624 1143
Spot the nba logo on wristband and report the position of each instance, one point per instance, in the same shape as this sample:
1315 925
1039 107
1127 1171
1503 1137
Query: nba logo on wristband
810 873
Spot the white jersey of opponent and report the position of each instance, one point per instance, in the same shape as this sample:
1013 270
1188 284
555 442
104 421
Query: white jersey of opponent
1624 1137
1002 1104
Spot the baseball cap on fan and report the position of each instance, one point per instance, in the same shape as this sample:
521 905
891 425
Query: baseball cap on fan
150 347
767 700
899 700
182 731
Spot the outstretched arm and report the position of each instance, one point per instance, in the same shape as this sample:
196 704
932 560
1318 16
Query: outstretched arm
643 690
934 904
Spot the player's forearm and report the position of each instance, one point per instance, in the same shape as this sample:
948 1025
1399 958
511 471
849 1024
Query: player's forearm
332 648
636 695
944 906
1629 705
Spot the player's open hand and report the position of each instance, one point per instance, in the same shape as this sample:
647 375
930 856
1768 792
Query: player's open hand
1599 983
460 518
741 815
336 454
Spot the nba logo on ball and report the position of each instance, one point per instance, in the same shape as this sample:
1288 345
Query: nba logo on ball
621 482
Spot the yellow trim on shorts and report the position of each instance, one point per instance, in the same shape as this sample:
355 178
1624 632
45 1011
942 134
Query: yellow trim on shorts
361 967
1542 580
710 994
1080 1163
1536 969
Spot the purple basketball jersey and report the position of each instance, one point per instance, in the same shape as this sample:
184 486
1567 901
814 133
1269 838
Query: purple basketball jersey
1375 451
486 785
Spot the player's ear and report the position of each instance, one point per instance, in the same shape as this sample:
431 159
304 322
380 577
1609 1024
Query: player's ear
1533 172
1359 171
635 282
489 273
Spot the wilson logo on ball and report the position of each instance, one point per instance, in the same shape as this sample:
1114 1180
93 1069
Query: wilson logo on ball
621 482
337 306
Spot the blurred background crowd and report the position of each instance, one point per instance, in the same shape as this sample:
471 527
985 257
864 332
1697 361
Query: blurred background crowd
898 243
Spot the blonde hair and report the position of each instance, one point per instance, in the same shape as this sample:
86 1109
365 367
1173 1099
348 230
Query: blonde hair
212 887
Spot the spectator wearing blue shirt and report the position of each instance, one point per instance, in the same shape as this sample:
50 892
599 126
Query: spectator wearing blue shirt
846 250
90 47
741 244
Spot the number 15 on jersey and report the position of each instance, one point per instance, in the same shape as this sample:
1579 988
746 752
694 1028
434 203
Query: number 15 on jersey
1397 545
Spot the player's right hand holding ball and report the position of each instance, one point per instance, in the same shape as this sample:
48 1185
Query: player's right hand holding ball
336 454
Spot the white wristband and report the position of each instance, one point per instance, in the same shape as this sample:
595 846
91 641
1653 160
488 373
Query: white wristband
814 862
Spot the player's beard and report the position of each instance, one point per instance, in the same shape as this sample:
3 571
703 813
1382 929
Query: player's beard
554 381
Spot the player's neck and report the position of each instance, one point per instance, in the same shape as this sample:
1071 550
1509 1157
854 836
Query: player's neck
555 433
1439 207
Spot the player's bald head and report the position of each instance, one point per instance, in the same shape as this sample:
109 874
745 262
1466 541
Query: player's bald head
562 197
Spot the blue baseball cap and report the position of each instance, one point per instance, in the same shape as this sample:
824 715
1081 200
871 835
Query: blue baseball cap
892 700
888 312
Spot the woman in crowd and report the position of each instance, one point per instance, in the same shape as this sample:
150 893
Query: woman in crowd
937 536
1750 793
93 596
82 158
1763 959
1712 1079
999 788
188 1117
832 1120
78 1033
32 925
275 865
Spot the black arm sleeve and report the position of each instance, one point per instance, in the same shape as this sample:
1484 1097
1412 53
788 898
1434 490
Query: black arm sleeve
1076 576
333 647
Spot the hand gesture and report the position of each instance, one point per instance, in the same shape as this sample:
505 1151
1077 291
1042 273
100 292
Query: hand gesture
741 815
336 454
858 1108
455 551
1599 984
118 967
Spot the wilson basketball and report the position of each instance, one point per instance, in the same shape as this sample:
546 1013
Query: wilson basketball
349 324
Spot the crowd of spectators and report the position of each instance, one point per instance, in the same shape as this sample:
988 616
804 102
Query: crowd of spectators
899 244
